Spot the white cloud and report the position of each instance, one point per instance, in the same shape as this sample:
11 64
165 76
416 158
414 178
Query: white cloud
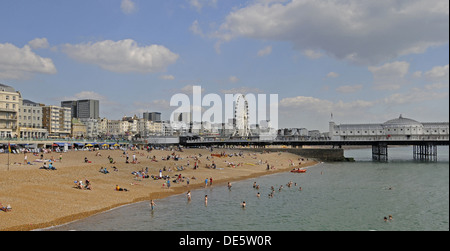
123 56
368 32
310 112
389 76
313 54
199 4
242 90
233 79
415 96
195 28
20 63
438 73
167 77
266 51
39 43
188 90
349 88
128 6
332 75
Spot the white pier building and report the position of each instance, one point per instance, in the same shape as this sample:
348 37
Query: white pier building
396 129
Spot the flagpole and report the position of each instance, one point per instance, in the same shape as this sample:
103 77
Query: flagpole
9 150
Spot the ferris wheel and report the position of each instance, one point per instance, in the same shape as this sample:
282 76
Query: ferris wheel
241 118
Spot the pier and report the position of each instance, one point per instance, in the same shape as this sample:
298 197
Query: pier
422 149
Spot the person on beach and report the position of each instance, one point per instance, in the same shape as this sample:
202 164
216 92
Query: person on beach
188 195
229 186
121 189
5 209
206 182
152 204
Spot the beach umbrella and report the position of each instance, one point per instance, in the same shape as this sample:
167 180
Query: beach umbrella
116 144
89 145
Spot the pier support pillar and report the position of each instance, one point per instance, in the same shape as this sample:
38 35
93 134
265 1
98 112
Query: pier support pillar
380 152
426 152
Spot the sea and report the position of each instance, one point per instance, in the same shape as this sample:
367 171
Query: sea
337 196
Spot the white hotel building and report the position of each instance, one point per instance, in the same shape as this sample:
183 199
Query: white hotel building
395 129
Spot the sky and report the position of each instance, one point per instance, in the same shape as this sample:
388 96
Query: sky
362 61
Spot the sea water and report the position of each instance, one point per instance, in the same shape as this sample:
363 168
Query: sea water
337 196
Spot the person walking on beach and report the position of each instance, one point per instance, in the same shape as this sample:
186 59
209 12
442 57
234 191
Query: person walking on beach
206 182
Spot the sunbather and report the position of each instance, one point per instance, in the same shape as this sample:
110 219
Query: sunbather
121 189
5 209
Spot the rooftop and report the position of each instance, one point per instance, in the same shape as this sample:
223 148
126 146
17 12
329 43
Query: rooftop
402 122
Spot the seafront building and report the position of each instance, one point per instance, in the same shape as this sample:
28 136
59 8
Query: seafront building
57 120
395 129
30 120
9 111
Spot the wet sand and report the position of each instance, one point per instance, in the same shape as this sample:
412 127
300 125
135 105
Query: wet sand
44 198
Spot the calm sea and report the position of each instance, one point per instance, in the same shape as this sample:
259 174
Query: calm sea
334 196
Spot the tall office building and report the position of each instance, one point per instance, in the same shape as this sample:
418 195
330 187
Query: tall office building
152 116
83 109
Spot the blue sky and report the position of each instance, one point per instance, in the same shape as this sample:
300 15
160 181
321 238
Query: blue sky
363 61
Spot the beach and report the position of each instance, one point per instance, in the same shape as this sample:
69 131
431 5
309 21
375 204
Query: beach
43 198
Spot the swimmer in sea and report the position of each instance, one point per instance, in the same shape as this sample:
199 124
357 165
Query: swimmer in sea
243 204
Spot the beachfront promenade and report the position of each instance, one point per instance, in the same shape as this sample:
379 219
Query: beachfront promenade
49 143
423 149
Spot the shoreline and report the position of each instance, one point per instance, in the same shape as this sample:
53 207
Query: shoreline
139 192
140 200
